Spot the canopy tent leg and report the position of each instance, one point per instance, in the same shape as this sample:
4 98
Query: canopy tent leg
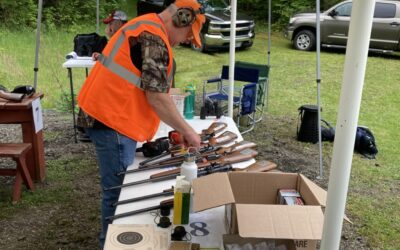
346 125
318 81
38 22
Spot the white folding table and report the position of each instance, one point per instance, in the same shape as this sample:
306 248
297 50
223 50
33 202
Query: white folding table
82 62
206 227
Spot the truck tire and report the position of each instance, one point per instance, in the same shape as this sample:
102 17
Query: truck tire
304 40
203 47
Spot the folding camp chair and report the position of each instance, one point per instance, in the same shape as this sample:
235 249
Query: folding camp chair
245 97
263 82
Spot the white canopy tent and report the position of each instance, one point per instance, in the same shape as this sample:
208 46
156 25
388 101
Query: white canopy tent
349 106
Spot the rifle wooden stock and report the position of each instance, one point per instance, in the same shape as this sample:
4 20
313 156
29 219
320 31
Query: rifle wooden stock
224 138
165 192
235 157
235 147
214 128
11 96
260 166
163 204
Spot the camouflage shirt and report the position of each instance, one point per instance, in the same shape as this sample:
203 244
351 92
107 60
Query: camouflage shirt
150 53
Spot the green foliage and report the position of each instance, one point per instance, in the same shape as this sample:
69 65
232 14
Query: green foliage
281 10
56 13
14 14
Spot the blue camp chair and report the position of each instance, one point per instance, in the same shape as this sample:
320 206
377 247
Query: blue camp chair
263 86
245 95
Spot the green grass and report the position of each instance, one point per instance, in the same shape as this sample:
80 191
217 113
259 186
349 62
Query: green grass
374 187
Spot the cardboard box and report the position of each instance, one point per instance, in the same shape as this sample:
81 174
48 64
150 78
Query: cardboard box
252 211
279 244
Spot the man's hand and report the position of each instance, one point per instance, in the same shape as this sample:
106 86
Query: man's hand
95 56
166 110
192 139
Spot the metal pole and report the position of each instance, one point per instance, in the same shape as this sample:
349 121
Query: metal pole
97 16
318 80
346 125
232 48
38 23
269 32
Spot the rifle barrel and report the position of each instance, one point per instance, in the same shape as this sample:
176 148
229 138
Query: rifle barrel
156 179
169 203
145 197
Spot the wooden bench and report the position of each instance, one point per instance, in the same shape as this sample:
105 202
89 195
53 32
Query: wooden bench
17 151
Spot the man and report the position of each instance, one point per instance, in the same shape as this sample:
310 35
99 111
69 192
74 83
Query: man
127 90
114 21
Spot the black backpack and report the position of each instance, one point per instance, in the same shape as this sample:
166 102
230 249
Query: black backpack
365 143
87 44
327 131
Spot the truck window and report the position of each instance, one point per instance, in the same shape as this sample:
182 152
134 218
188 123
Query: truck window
344 10
385 10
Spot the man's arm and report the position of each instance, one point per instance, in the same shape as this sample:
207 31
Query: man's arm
168 113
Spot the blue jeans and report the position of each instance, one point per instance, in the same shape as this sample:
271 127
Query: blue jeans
115 152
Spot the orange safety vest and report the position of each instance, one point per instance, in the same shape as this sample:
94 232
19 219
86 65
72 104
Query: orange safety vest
112 93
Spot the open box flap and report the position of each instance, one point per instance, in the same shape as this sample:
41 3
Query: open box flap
320 194
211 191
280 221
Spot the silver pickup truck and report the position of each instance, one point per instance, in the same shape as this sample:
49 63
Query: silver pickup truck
334 24
215 33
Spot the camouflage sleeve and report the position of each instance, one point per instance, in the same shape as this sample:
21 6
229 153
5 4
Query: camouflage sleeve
155 60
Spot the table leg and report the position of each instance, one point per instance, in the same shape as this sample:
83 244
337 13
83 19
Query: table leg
35 157
71 84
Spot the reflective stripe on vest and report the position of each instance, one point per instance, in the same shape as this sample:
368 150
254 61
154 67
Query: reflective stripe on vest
119 70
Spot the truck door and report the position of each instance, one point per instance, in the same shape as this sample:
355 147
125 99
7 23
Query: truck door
385 32
335 27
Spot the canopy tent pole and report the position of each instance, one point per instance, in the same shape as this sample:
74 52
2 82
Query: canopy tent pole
269 33
97 16
318 80
38 23
346 125
232 48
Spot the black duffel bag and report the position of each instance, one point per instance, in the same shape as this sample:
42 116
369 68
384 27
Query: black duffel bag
87 44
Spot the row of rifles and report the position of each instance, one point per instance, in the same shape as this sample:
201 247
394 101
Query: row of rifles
212 157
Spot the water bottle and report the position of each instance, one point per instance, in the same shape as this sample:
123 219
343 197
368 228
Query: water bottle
189 167
189 101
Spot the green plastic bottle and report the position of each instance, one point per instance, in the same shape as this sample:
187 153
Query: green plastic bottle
189 105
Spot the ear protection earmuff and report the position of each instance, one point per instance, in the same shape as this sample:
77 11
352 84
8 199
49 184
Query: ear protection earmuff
184 17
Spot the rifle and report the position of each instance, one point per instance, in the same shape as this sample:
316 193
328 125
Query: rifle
166 192
260 166
208 154
163 204
16 97
215 127
235 157
209 150
174 138
223 138
201 172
